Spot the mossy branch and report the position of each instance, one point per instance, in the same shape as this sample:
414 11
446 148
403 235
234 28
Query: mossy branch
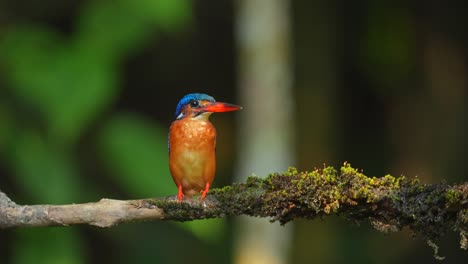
389 203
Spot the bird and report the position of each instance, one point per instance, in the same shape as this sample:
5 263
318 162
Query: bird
192 144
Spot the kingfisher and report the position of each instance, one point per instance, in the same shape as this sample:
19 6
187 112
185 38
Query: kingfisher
192 144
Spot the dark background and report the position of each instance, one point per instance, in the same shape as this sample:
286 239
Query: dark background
88 90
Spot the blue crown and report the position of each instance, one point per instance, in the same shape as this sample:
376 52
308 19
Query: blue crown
189 98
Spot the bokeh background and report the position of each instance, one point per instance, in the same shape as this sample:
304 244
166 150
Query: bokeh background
88 90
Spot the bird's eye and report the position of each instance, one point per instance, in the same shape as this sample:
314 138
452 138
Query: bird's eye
194 104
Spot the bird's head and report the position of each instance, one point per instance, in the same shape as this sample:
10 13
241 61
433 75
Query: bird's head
198 105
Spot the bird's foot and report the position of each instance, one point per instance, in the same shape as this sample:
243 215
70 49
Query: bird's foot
205 192
180 194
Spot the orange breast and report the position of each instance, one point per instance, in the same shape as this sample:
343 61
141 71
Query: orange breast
192 154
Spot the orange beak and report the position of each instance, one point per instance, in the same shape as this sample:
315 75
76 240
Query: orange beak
218 107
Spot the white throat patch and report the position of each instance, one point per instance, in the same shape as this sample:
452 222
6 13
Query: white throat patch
203 116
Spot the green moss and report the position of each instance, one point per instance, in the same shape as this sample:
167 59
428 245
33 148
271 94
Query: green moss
452 196
330 171
347 169
292 171
324 191
390 202
253 181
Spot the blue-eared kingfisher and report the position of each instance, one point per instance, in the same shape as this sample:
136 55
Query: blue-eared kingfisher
192 144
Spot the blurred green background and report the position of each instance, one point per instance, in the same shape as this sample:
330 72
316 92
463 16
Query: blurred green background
88 90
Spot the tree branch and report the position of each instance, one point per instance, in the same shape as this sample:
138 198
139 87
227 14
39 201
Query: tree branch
105 213
389 203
